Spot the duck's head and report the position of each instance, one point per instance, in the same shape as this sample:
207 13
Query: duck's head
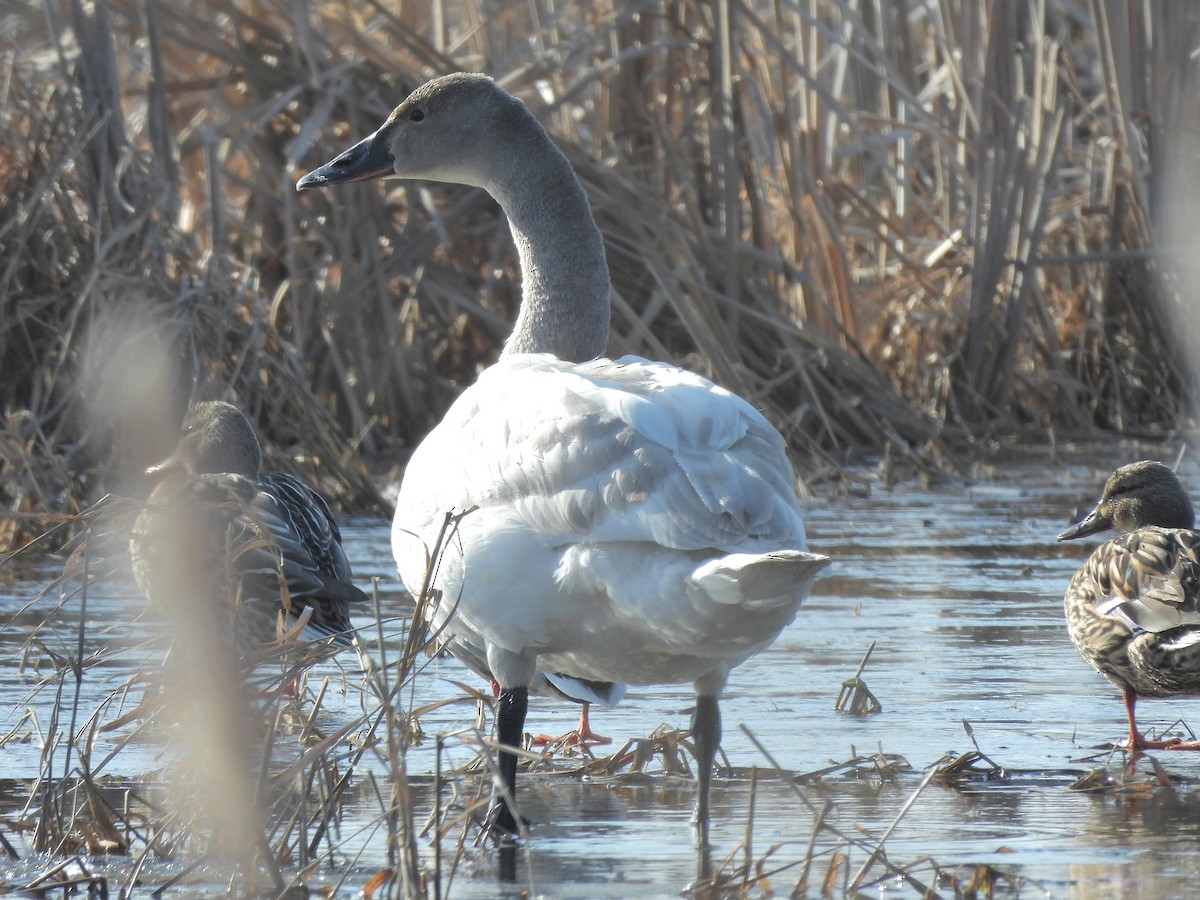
1135 496
215 438
435 135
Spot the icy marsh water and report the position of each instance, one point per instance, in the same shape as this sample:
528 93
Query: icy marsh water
959 586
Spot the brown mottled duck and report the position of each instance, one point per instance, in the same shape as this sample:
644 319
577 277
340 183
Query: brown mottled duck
1133 609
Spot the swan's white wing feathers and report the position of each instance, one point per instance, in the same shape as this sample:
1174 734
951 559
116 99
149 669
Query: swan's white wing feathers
615 451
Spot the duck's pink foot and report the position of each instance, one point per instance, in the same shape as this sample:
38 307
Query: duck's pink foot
288 690
582 734
574 736
571 737
1137 744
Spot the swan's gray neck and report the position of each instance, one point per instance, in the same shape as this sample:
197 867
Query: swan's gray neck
564 274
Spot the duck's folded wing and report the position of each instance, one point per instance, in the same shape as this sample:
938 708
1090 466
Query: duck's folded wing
305 520
288 533
1151 578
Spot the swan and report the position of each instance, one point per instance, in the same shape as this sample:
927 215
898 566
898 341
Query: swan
1133 608
616 520
261 549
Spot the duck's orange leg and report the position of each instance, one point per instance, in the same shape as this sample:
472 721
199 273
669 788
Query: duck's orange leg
1138 743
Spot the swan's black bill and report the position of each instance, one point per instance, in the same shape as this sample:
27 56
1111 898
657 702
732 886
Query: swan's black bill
369 158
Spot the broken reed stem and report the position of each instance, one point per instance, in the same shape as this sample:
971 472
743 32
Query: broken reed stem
855 697
850 839
806 864
311 719
878 851
863 665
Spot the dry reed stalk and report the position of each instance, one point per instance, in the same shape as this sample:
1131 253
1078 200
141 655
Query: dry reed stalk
878 851
836 845
801 887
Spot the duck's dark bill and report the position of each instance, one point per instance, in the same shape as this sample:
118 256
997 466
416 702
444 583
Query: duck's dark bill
369 158
1092 523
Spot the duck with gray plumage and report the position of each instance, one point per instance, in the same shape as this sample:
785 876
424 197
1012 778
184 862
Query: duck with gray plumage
260 550
1133 609
621 520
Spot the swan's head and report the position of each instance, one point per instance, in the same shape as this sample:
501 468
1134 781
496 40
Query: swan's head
451 129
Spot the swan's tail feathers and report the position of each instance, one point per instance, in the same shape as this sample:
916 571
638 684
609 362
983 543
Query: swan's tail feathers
760 580
583 690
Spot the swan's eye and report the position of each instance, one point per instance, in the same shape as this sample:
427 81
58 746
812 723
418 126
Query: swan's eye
417 115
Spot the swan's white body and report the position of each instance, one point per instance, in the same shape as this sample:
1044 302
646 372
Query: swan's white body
620 520
628 521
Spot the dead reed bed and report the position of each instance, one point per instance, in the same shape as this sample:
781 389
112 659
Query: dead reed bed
919 228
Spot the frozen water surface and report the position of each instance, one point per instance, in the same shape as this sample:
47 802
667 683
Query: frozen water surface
960 587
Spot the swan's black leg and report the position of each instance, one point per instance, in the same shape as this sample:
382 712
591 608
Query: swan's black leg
706 735
510 726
